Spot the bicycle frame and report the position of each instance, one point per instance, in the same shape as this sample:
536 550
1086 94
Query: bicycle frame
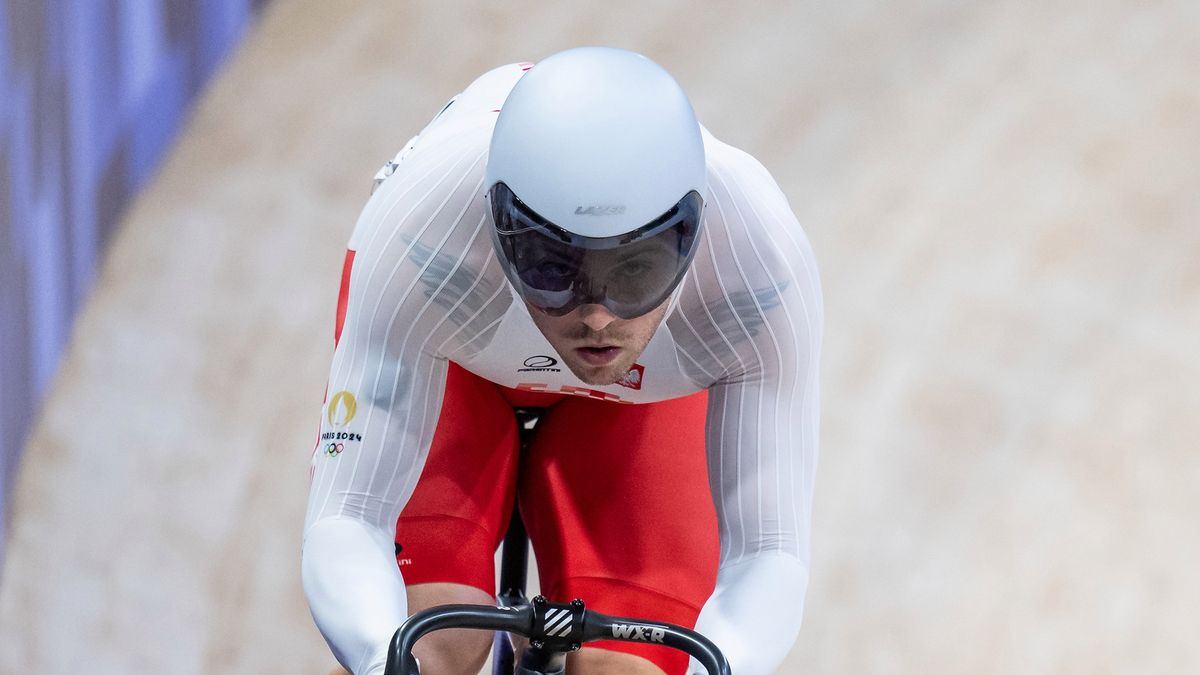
553 629
514 558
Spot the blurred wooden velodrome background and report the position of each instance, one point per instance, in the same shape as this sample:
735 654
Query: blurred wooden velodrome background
1004 198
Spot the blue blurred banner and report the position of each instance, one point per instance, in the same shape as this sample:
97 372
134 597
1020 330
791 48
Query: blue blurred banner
92 92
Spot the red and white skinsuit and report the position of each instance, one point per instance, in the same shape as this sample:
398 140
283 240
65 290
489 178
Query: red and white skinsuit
435 347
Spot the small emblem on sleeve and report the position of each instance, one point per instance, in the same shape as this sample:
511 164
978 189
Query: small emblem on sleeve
341 410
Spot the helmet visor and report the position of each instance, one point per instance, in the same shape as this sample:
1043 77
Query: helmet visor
629 274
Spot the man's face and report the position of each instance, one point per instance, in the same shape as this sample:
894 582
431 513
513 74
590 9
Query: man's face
596 345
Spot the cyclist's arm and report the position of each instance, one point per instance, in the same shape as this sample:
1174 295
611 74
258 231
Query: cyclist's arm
421 291
765 311
763 441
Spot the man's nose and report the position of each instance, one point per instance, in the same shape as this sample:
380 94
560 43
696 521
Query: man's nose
596 317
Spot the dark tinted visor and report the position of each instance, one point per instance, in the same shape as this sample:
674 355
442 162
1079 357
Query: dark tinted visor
557 271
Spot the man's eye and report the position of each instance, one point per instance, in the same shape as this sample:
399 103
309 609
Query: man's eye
551 276
633 268
554 269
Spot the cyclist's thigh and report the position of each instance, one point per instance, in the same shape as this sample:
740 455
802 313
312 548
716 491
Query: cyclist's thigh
450 527
618 506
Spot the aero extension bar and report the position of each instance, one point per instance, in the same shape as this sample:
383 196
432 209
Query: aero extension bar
553 629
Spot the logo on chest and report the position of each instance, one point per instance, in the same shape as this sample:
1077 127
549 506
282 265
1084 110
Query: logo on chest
633 377
540 364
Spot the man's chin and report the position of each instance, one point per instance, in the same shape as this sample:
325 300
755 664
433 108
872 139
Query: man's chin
598 375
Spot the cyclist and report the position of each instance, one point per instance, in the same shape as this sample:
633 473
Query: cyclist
567 236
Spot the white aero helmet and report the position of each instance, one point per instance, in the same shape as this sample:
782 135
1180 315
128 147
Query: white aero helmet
595 177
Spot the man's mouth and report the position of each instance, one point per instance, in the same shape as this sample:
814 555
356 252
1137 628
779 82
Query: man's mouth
598 356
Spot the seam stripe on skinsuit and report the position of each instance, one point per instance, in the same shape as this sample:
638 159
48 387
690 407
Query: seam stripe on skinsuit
725 513
468 293
339 319
797 396
725 429
720 482
699 339
495 322
429 302
782 440
759 385
377 221
404 259
709 379
360 335
402 353
440 173
437 378
366 285
370 323
721 449
778 212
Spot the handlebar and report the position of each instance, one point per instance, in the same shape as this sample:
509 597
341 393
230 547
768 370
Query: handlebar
549 626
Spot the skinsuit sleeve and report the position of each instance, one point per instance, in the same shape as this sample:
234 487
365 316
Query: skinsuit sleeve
750 322
423 290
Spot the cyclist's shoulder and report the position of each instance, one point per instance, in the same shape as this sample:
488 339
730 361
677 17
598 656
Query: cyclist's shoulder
755 269
746 204
488 92
461 125
474 109
433 182
727 159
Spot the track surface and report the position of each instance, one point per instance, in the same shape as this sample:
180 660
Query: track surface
1003 198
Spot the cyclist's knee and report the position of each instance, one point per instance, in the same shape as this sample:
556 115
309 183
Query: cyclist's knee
448 652
455 651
